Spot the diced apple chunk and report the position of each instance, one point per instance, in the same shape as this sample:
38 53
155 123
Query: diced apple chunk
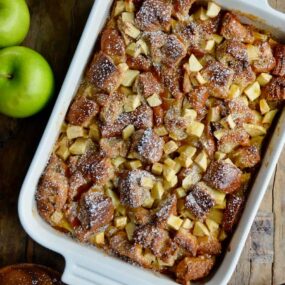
128 131
216 215
170 147
74 132
214 114
148 203
147 182
154 100
157 191
201 80
130 229
128 17
253 91
222 235
119 8
187 224
99 238
143 47
130 6
219 155
234 91
212 225
157 168
213 10
201 14
190 113
200 230
264 107
185 160
133 50
129 77
253 52
187 150
264 78
120 222
79 146
195 129
174 222
135 164
118 161
210 45
167 185
269 117
161 131
131 30
217 38
254 130
202 160
260 36
231 121
194 64
132 102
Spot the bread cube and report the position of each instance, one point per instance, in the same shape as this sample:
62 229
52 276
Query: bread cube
154 100
264 78
174 222
253 91
213 10
195 129
168 173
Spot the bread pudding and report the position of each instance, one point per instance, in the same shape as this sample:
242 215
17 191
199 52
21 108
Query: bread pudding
164 136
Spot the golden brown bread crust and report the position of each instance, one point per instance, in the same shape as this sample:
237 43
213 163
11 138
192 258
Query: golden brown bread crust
274 92
199 201
113 147
232 212
182 7
232 29
103 73
154 15
132 193
208 246
246 157
279 54
223 176
147 84
198 98
187 241
193 268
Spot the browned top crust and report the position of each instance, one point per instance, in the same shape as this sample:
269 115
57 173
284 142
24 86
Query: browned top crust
147 145
199 201
103 73
274 92
154 15
132 192
223 176
148 85
82 111
182 7
95 210
279 54
219 78
232 29
194 268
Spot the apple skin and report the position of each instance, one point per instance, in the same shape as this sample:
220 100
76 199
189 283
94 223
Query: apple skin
14 22
26 82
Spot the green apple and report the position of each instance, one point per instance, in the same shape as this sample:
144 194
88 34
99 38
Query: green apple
14 22
26 82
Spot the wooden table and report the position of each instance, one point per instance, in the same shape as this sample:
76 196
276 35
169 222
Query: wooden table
55 29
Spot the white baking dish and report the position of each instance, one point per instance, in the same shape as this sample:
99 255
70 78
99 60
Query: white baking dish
86 265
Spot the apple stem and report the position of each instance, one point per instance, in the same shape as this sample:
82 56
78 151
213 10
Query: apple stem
6 76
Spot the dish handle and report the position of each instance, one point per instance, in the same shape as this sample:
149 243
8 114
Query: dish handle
79 272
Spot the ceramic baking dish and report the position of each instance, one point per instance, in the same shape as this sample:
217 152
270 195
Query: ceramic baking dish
86 265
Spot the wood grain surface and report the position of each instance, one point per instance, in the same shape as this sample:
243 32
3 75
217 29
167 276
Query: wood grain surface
55 29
